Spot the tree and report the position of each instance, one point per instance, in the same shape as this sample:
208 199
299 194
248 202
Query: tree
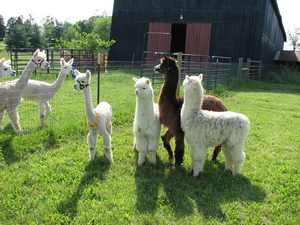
2 28
33 33
102 27
52 30
295 38
16 36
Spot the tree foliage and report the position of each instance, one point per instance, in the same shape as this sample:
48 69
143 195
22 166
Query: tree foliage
2 28
92 34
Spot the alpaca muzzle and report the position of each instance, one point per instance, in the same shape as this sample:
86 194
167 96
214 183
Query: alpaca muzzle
157 68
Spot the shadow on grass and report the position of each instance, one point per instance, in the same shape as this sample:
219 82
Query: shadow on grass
6 146
183 192
14 148
96 169
147 180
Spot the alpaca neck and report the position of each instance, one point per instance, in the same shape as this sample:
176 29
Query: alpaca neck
145 107
170 85
59 81
193 103
89 103
28 70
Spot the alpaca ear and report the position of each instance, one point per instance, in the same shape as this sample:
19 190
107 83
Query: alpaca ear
88 75
200 76
134 79
187 78
8 62
62 62
36 52
71 61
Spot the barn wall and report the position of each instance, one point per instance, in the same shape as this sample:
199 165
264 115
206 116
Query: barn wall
272 37
237 26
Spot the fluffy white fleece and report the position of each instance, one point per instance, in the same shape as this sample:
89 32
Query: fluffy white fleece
5 68
146 126
206 128
99 119
10 92
42 92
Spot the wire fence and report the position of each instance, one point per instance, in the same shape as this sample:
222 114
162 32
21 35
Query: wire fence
68 105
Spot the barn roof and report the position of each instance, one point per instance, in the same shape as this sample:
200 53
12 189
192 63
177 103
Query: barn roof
288 56
277 11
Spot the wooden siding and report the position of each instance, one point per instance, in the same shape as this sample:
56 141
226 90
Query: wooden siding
159 39
198 38
237 26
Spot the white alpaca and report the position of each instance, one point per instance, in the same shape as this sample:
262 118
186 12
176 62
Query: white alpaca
42 92
99 119
10 91
146 125
5 68
206 128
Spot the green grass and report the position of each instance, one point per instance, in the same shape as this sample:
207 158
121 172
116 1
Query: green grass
3 52
46 178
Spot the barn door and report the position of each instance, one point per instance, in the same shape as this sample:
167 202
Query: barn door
158 39
198 38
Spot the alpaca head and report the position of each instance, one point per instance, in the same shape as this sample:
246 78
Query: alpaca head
167 64
5 68
82 80
66 67
192 87
143 88
40 59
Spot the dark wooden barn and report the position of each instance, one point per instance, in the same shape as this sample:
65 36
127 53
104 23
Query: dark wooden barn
234 28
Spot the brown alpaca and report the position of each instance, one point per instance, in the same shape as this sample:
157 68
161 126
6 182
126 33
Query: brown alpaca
170 106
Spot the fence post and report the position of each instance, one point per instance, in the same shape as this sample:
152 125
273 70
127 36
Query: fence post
16 60
239 69
47 55
179 63
98 77
248 68
260 71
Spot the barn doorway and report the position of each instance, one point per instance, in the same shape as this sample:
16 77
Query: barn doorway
178 32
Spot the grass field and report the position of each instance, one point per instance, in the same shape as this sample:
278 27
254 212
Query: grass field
3 52
46 178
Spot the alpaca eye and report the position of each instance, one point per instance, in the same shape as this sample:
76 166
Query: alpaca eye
144 88
5 69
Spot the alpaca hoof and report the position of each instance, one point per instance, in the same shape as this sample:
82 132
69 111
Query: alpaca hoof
108 155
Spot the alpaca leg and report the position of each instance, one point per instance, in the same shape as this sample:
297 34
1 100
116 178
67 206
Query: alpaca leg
153 146
15 121
228 158
107 147
141 147
152 156
198 156
166 141
237 159
92 140
216 152
42 114
1 118
48 107
179 149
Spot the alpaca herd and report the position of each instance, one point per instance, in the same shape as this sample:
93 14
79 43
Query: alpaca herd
202 120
